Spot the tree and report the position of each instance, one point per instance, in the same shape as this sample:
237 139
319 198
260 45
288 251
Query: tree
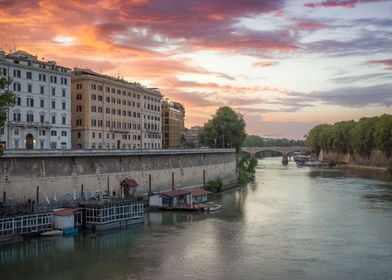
362 136
7 99
383 134
226 129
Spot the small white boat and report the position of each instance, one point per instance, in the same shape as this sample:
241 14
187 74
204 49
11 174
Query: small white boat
52 232
214 207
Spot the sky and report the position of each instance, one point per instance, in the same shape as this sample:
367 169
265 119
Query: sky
286 66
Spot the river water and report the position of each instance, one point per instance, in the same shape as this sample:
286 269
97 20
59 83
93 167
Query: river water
291 223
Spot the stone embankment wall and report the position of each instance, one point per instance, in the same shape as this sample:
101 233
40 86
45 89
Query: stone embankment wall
62 174
376 158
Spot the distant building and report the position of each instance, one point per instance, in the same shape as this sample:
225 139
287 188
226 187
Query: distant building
173 117
111 113
41 118
191 137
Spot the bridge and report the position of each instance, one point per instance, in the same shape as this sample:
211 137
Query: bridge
283 150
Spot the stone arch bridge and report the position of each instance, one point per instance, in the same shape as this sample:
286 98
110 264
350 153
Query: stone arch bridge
283 150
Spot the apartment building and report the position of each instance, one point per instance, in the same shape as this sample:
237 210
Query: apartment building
108 112
151 121
173 117
41 117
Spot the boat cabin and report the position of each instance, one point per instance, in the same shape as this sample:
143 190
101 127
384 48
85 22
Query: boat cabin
68 219
200 195
101 215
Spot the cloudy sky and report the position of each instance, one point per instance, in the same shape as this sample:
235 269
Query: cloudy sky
285 65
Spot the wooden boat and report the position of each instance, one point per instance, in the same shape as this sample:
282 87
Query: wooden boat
52 232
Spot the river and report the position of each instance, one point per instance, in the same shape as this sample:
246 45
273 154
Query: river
291 223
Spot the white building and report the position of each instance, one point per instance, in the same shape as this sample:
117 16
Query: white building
41 117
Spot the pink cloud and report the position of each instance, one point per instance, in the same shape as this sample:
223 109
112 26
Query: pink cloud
386 62
339 3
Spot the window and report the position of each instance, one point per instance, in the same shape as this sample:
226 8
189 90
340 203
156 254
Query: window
64 133
107 89
99 109
99 97
79 108
30 117
53 133
16 87
53 104
100 123
79 97
107 99
78 86
79 135
63 92
17 117
93 86
93 109
53 91
28 75
42 118
17 73
30 102
93 135
3 71
63 120
42 132
78 122
64 105
53 119
42 89
53 145
42 77
100 88
93 97
93 122
42 103
64 81
53 79
29 88
18 101
113 111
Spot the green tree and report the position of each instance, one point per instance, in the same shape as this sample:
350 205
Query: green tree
341 136
314 137
383 134
226 129
362 136
7 99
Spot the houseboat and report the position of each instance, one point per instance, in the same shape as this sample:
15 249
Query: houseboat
16 226
112 213
180 199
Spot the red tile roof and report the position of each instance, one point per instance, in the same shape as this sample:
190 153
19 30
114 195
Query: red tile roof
176 193
199 192
67 211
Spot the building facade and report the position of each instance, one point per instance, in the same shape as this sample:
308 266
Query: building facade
173 117
151 120
191 136
107 112
41 117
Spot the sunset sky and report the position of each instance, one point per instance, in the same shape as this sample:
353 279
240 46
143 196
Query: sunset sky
285 65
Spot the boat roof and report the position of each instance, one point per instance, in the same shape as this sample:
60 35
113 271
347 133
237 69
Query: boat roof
67 211
199 192
176 193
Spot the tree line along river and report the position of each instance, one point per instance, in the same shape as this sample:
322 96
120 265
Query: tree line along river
291 223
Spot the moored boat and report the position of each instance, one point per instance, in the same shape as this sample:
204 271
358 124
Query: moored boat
51 232
214 207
